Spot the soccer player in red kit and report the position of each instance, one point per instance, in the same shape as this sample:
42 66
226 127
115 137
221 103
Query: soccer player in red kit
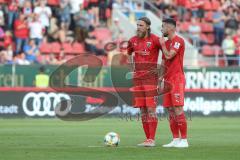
144 49
173 53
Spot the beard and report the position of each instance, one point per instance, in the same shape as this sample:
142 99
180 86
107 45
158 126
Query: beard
165 34
141 34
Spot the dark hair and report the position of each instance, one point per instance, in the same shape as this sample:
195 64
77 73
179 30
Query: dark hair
170 21
147 21
42 69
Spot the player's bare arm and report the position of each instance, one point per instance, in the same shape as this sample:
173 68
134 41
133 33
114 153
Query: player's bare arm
168 54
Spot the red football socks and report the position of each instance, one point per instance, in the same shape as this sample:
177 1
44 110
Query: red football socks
152 123
173 124
145 125
182 125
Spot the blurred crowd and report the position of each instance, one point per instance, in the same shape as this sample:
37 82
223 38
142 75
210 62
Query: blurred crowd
26 24
207 22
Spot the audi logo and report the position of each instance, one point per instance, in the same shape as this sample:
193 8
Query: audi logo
42 104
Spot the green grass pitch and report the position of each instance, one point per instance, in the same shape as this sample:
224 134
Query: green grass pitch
53 139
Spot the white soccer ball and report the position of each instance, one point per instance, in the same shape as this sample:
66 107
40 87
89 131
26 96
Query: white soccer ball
111 139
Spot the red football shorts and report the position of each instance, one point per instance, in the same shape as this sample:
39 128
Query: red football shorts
144 92
175 98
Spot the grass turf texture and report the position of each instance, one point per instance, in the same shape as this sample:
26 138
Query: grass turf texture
52 139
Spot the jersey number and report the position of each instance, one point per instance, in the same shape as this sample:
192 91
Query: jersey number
176 45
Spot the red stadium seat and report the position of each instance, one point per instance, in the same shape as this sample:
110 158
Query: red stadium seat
78 48
210 38
207 27
209 16
203 37
207 50
184 26
215 4
3 1
56 47
207 5
68 49
217 50
45 48
53 2
103 34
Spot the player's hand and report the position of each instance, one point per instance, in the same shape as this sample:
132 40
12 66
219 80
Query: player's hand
162 40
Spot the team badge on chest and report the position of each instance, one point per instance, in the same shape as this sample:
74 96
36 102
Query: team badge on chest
149 44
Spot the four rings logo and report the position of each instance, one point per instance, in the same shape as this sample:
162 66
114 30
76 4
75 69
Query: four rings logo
42 104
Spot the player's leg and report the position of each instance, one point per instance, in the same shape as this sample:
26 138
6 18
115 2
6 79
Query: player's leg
145 125
144 121
182 126
139 102
152 123
173 125
178 103
152 119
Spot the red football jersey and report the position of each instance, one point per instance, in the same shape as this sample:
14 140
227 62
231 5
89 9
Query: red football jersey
146 52
174 66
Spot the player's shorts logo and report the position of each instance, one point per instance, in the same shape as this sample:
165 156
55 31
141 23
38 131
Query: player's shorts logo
177 97
42 104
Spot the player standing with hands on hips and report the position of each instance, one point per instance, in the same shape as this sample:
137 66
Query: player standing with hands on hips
172 58
144 49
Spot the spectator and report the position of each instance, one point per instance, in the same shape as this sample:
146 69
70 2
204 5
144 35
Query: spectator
52 60
160 5
236 39
8 40
91 17
181 9
81 24
218 24
42 79
6 55
228 48
109 12
116 30
36 30
21 3
20 59
31 52
21 32
9 54
194 31
231 21
64 12
12 13
2 19
94 5
102 10
91 42
44 13
27 9
2 58
63 34
197 8
74 4
171 12
53 30
1 33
